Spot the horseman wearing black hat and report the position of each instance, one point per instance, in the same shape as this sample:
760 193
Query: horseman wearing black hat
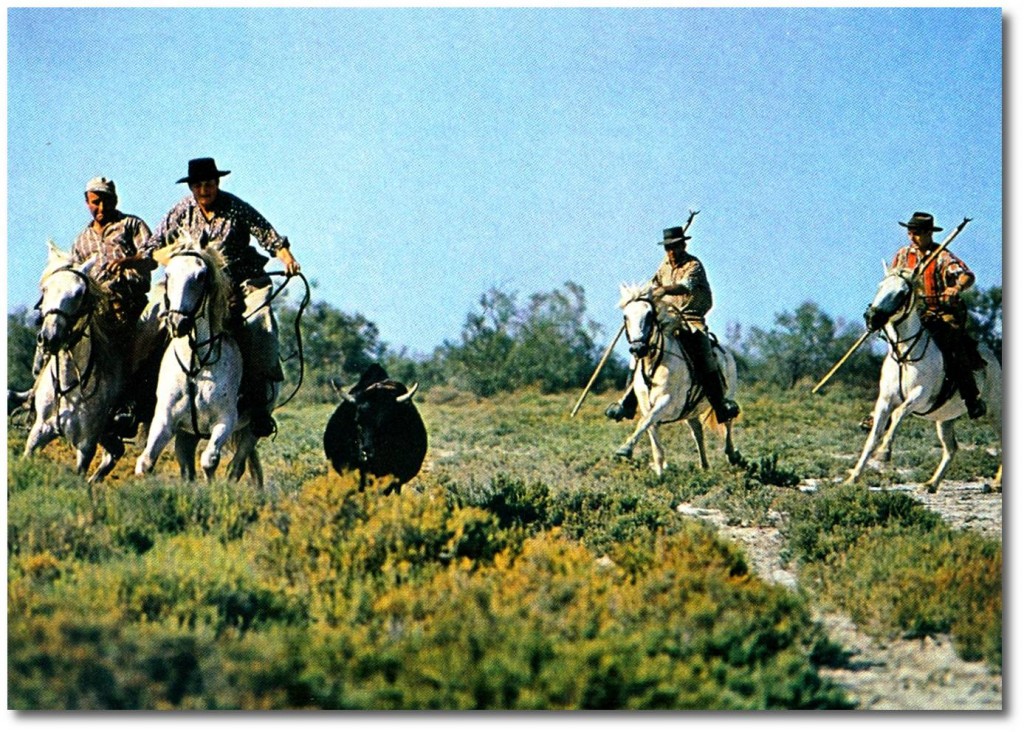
683 298
943 310
228 223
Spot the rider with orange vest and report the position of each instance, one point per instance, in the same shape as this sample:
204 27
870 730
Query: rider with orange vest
943 310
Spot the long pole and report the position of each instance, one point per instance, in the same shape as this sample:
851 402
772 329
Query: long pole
919 269
600 365
840 362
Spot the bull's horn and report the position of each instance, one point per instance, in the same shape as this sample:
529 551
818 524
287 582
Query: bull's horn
408 395
341 391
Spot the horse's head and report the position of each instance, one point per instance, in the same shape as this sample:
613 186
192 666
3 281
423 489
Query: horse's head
194 278
640 317
69 296
894 298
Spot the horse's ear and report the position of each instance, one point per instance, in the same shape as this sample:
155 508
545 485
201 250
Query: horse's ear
885 267
88 265
53 253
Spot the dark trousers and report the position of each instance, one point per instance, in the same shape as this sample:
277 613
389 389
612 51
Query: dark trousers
959 349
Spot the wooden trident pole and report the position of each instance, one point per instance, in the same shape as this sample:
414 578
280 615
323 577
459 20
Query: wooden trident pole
600 365
917 270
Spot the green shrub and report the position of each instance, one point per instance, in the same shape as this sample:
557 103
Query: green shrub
897 580
896 568
828 523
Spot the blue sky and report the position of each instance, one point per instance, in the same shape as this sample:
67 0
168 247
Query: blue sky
416 158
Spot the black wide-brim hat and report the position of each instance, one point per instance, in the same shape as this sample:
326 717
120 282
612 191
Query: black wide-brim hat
202 169
674 236
921 221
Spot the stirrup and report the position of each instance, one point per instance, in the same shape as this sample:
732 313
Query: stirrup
729 411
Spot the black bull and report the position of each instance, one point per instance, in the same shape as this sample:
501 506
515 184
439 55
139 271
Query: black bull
377 430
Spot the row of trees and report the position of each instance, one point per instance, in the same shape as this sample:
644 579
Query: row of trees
548 341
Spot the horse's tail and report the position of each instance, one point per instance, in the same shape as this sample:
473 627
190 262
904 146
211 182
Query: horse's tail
710 420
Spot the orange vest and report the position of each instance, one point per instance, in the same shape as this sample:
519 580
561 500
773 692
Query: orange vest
942 272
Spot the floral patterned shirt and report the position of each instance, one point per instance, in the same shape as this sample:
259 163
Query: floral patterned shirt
230 228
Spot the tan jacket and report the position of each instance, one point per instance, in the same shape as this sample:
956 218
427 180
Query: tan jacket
691 307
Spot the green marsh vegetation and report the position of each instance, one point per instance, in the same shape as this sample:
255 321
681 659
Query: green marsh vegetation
524 568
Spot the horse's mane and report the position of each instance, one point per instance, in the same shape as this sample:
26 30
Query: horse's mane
631 292
217 279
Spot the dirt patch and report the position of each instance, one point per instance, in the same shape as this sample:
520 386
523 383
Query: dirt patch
891 674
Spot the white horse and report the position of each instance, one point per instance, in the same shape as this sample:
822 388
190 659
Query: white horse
664 383
913 382
201 371
83 372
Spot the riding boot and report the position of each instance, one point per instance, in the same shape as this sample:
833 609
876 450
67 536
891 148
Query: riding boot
964 378
625 408
698 345
961 358
725 409
255 401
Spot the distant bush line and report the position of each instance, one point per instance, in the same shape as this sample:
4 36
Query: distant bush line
545 341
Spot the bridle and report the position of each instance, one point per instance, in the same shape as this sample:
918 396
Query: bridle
193 313
901 349
86 310
642 345
78 328
651 347
203 353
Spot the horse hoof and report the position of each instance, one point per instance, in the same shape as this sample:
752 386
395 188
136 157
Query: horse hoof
930 487
624 453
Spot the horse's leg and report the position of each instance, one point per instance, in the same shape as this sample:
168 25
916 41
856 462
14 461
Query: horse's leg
255 468
734 455
245 445
884 451
159 435
995 416
880 417
113 449
659 406
219 434
41 435
947 436
697 430
185 452
658 463
85 453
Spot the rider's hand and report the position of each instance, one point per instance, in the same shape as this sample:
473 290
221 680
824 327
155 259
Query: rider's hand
112 268
950 294
291 265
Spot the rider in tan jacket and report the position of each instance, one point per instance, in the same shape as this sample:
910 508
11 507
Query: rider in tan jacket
683 298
